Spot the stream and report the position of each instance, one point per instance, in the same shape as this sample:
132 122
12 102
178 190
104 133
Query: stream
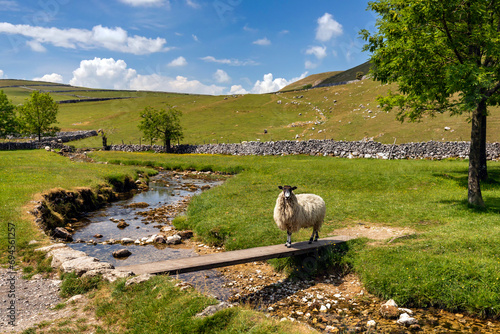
96 233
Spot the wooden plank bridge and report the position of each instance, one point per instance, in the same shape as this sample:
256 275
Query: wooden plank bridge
224 259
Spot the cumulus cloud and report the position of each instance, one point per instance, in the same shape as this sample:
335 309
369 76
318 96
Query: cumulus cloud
103 73
221 76
115 39
263 41
328 28
269 84
237 89
180 84
146 3
232 62
114 74
1 75
178 62
54 77
318 51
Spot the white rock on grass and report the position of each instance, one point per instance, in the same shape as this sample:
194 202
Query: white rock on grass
371 323
212 309
138 279
51 247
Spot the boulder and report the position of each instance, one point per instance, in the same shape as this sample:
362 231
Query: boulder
51 247
138 279
62 233
212 309
389 310
174 240
61 255
122 224
160 239
81 265
121 253
110 275
406 320
188 234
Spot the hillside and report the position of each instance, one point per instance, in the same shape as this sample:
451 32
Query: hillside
345 112
313 80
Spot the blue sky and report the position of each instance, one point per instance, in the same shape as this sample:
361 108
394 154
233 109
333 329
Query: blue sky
189 46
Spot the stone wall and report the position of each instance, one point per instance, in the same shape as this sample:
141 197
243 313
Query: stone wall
344 149
55 142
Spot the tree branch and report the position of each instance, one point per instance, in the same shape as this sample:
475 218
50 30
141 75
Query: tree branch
450 39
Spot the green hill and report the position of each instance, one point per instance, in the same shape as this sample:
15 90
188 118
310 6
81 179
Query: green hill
344 112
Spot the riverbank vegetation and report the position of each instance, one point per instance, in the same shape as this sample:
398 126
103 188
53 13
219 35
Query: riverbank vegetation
451 261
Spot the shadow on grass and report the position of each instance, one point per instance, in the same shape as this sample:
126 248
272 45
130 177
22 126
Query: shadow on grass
492 204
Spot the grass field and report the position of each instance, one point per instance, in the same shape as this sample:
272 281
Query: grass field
452 261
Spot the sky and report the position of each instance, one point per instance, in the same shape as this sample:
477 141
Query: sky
210 47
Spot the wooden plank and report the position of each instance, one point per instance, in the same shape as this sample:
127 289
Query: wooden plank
224 259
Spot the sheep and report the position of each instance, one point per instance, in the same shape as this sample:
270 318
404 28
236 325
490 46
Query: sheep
293 212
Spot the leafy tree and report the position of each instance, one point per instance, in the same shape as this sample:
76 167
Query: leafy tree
38 114
445 57
163 124
8 121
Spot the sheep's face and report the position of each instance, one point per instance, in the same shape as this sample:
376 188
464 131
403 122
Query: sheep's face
287 191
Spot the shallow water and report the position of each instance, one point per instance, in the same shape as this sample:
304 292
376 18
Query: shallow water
167 188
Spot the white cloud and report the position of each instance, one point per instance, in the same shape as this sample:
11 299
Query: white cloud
108 73
328 28
193 4
178 62
9 5
195 38
54 77
180 84
115 39
318 51
309 65
237 89
146 3
1 75
263 41
232 62
269 85
221 76
103 73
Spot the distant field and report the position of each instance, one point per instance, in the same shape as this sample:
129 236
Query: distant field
346 112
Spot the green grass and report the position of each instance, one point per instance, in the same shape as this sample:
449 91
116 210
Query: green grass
453 261
157 306
23 174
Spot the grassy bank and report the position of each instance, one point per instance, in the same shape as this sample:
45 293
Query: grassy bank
453 261
26 173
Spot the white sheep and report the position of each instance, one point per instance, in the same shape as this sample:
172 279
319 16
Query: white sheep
293 212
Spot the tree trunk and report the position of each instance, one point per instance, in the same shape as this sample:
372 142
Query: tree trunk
167 145
483 172
474 189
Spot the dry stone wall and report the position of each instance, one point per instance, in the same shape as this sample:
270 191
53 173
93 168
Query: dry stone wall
344 149
53 142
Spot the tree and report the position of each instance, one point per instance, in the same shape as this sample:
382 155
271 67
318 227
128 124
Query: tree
38 114
8 121
161 124
445 57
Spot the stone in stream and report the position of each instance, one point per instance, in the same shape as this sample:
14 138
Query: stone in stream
121 253
62 233
122 224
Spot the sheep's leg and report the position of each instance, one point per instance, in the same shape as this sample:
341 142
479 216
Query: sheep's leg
288 239
313 238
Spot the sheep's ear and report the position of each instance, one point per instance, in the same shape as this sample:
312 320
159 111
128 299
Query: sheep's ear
280 187
293 188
